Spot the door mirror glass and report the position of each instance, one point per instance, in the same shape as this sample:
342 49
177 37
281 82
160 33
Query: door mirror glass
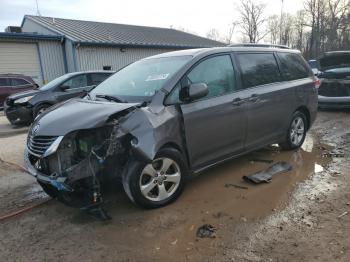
193 92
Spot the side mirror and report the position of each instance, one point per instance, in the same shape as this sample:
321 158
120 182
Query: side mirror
193 92
64 88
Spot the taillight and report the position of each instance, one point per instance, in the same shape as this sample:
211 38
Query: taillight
317 82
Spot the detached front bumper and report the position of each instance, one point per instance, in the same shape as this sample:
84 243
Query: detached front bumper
325 102
57 182
19 114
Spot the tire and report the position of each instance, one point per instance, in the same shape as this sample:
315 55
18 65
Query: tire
49 190
40 109
296 132
162 181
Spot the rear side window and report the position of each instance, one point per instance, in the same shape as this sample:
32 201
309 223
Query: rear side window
293 66
258 69
217 72
19 82
3 82
76 82
98 78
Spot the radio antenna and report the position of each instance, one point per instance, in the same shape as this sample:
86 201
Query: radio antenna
37 8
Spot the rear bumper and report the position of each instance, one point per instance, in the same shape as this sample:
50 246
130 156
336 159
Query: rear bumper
325 102
20 114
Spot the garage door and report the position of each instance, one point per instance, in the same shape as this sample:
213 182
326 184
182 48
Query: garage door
20 58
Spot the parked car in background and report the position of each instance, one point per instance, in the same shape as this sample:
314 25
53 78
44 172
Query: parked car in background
14 83
314 66
163 118
23 108
334 91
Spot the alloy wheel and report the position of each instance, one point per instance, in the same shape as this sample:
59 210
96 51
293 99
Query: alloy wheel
160 179
297 131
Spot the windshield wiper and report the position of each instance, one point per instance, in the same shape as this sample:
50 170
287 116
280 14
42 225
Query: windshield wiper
111 98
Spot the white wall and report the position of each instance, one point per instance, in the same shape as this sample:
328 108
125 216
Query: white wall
94 58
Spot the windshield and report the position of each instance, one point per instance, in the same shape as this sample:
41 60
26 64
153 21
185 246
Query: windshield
54 82
141 80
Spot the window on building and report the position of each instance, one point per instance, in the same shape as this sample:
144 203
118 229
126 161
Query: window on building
107 67
258 69
293 66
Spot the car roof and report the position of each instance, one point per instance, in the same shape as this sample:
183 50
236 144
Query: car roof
214 50
14 75
335 53
90 72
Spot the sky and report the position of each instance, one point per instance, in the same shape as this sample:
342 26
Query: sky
194 15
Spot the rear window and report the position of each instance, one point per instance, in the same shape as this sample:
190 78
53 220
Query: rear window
335 60
18 82
293 66
258 69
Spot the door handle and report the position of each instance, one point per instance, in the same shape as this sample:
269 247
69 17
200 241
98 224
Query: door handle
253 98
237 101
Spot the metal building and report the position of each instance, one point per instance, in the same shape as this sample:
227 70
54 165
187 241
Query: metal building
49 47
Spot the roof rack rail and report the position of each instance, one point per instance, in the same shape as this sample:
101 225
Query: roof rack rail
259 45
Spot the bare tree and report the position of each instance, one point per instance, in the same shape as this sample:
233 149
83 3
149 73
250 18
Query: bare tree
337 14
329 22
213 34
228 38
273 26
252 19
299 27
287 29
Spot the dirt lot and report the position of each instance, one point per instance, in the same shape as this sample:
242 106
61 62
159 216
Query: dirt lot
300 216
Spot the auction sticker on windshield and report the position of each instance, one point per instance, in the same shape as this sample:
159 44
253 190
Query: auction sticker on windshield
157 77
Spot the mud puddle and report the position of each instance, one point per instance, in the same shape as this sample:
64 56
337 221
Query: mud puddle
138 234
208 199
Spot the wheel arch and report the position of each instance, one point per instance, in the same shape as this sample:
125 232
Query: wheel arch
179 148
306 112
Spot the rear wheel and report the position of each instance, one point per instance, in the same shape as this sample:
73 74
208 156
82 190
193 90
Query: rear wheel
296 132
157 183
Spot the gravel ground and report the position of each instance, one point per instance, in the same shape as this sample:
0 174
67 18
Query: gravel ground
300 216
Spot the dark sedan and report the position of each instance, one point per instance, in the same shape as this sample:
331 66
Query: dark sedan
22 108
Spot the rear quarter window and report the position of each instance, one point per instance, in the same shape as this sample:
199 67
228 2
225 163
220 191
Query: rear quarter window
258 69
293 66
98 78
19 82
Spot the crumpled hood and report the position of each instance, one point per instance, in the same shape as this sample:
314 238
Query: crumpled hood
76 114
23 94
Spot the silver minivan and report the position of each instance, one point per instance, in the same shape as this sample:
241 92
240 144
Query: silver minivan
164 118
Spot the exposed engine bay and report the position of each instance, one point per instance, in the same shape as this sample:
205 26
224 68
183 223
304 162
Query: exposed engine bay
72 167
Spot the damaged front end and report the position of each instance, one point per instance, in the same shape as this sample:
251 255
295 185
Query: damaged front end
71 167
74 148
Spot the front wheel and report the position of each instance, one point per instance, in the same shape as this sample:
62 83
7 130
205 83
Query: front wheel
158 183
296 132
40 109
